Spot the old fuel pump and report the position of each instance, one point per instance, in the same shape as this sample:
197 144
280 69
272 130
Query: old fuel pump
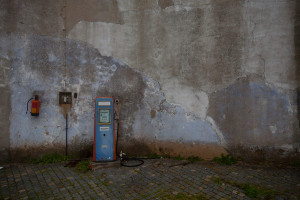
104 130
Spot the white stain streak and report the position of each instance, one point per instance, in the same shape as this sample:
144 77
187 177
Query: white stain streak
217 130
273 129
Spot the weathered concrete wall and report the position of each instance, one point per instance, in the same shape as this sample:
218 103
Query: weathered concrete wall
193 77
4 108
297 53
26 72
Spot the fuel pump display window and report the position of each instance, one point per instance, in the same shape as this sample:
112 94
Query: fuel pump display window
103 103
104 116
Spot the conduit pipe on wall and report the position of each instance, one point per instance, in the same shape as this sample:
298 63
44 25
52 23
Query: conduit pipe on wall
66 134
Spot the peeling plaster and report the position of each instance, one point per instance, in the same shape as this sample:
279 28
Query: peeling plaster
171 122
91 75
190 99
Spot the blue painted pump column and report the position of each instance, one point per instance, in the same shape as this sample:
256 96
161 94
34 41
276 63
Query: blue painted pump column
104 130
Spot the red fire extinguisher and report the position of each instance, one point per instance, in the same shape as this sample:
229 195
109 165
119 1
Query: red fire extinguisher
35 106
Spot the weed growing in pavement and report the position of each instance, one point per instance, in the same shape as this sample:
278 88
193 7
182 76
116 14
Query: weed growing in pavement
49 158
153 156
166 156
194 159
296 163
217 180
83 166
178 157
253 191
104 183
225 160
250 190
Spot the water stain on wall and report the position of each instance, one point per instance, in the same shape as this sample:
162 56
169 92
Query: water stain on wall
29 17
165 3
91 11
297 55
4 111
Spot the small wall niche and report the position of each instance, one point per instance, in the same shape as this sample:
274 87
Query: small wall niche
65 97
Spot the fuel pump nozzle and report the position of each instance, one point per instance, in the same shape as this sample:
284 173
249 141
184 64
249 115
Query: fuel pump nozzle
122 156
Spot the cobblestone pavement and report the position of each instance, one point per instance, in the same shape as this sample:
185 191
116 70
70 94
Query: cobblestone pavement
156 179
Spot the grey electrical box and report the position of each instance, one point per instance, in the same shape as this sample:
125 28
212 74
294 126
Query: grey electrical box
65 98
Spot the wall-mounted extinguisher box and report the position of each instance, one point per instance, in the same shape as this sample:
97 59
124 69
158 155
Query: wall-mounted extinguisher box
104 132
35 106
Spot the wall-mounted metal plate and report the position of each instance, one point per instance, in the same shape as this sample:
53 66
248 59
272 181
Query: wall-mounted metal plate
65 98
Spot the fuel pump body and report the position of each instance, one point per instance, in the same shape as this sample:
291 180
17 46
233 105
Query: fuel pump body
104 130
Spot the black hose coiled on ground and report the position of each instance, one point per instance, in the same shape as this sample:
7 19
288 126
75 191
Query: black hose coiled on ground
129 162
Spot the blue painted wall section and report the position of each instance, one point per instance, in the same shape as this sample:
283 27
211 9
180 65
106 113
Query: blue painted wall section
250 113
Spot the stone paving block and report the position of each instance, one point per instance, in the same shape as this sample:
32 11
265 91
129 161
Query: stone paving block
147 182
